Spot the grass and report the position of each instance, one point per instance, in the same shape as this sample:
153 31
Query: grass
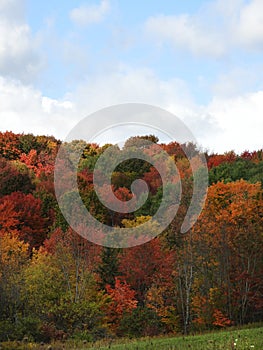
242 339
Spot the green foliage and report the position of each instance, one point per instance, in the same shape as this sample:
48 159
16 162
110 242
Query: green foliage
240 169
65 287
120 179
23 327
241 339
139 166
140 323
140 141
13 260
108 269
58 294
88 162
28 142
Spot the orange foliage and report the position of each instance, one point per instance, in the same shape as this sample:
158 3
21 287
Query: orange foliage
122 301
22 213
220 320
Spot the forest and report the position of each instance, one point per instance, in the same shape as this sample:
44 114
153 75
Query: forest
56 285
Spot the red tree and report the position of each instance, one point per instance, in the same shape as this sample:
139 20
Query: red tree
22 212
143 265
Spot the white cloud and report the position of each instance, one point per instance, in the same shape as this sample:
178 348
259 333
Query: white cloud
223 124
12 9
240 120
232 120
250 26
216 29
25 109
19 57
129 85
237 81
88 14
185 31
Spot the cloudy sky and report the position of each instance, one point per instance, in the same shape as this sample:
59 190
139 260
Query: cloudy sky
201 60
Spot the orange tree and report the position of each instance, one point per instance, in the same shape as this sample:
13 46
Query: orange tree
228 246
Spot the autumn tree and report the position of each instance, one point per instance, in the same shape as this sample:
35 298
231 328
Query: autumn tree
14 177
228 240
62 291
145 265
14 257
9 145
123 301
24 216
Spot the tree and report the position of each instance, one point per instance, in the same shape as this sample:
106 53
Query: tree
139 141
237 170
14 177
228 241
185 272
24 217
146 264
123 301
162 299
9 218
62 291
9 145
108 268
14 257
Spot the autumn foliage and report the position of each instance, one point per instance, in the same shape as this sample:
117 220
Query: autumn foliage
54 284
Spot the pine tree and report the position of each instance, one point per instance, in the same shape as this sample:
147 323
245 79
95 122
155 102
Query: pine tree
109 267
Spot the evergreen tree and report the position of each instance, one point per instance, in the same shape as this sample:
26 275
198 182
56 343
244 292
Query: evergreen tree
109 267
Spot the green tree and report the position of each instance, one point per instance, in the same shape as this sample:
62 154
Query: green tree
108 269
62 291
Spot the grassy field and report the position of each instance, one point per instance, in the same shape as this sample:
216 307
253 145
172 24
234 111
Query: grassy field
236 339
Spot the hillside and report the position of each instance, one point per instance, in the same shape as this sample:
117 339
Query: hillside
56 285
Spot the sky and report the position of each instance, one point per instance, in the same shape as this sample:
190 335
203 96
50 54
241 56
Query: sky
200 60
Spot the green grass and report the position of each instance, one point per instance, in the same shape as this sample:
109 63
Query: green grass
243 339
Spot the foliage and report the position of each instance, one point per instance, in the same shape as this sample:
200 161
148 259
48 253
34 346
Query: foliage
108 268
56 285
239 169
14 177
62 293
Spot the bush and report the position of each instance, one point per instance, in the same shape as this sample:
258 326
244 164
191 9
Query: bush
83 335
24 327
140 323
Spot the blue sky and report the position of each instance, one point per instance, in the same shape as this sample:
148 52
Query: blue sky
201 60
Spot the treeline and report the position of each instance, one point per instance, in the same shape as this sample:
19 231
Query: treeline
56 285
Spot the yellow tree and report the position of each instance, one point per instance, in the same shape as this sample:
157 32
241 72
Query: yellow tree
14 257
62 291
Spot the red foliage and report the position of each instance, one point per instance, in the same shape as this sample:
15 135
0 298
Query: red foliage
8 216
153 180
122 302
85 180
123 194
39 163
220 320
174 148
255 156
23 214
13 180
9 145
123 297
143 265
216 159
